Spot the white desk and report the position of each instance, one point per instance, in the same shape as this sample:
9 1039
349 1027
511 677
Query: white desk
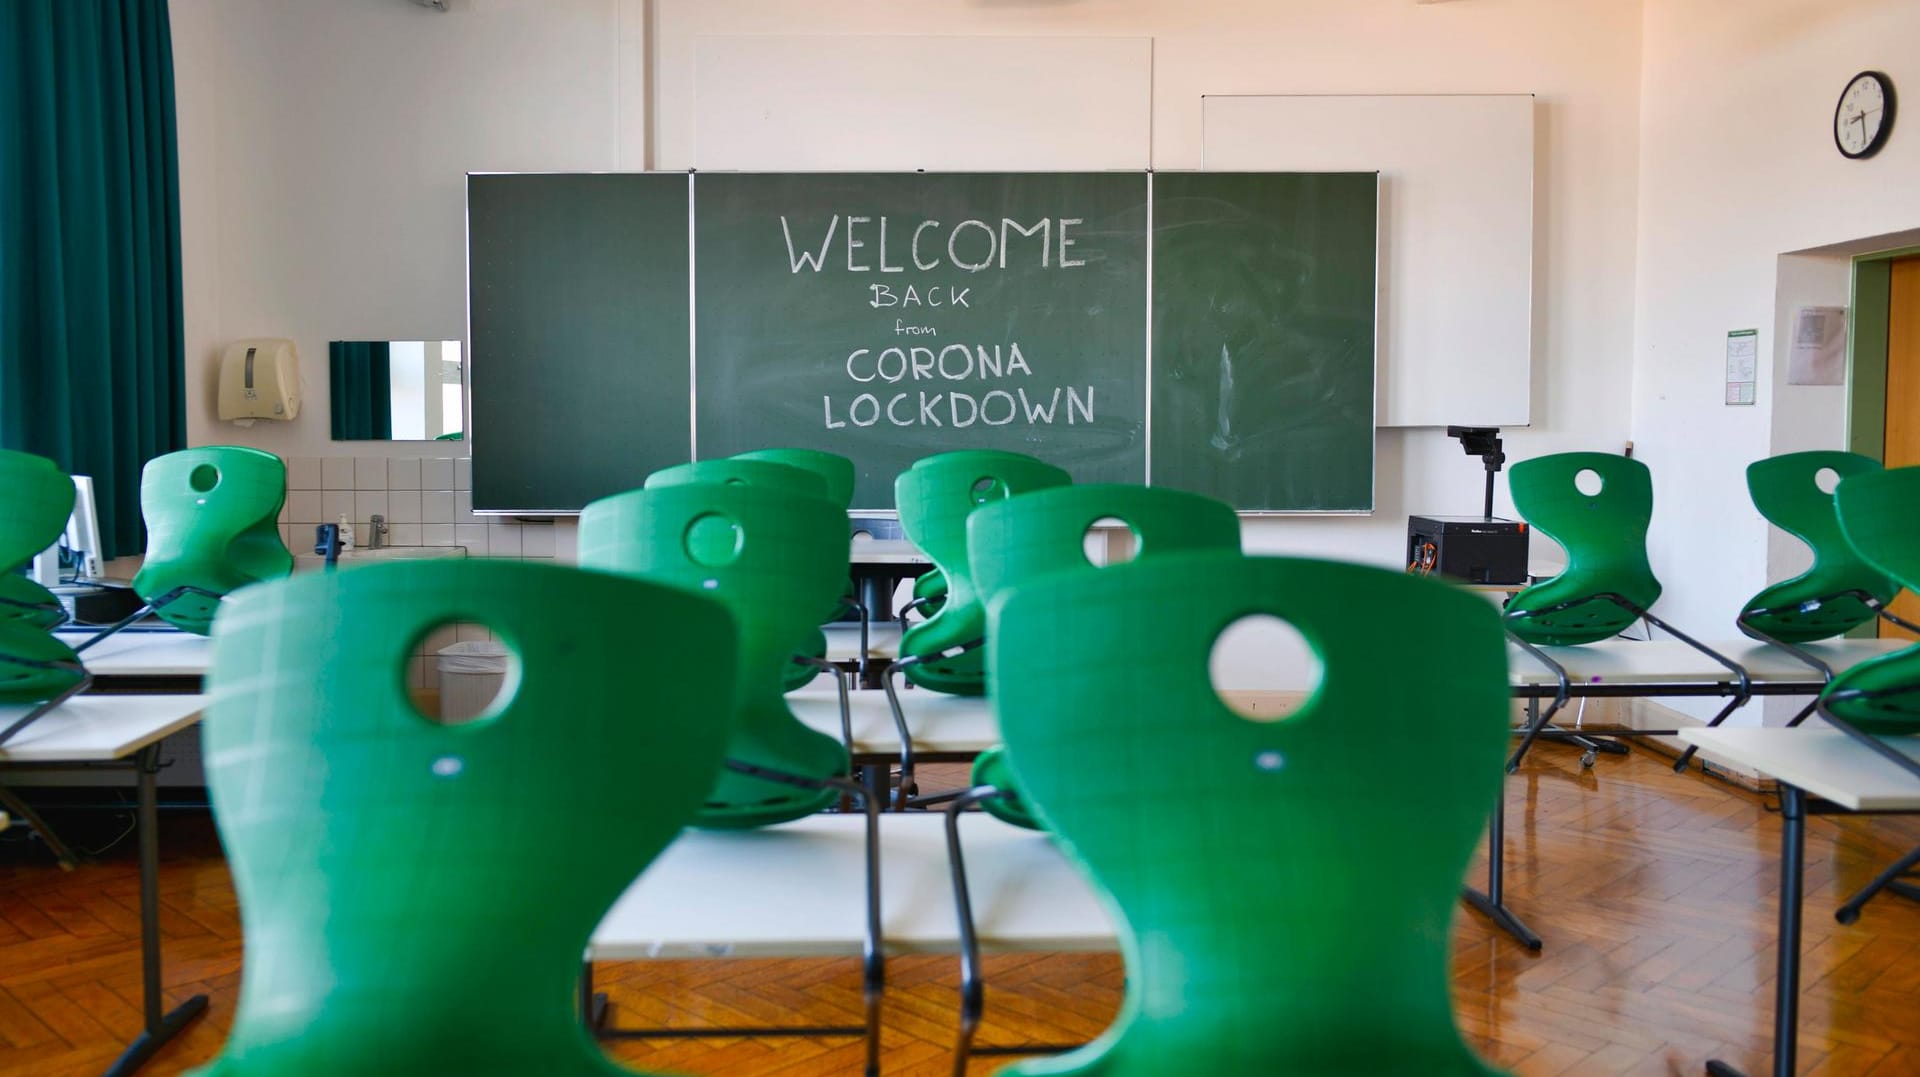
796 890
1846 775
940 724
1653 662
120 731
887 552
843 641
162 653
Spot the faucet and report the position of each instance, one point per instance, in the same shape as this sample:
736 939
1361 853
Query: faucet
379 532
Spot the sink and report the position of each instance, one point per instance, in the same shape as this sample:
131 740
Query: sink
304 562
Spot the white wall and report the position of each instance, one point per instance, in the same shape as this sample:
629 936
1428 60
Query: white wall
323 144
1737 167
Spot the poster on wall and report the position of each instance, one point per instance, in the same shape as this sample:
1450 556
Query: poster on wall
1819 354
1743 365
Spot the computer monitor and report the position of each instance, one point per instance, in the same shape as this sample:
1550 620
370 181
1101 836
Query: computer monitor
80 543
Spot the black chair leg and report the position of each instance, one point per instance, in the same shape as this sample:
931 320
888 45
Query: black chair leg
1890 879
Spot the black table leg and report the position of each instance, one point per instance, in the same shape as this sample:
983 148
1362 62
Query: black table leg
1786 987
1492 903
160 1027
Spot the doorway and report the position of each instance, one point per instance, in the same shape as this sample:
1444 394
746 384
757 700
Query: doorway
1900 444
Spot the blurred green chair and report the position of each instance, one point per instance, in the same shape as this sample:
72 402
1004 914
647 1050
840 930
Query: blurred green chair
1607 584
38 672
1044 533
1838 593
775 558
35 505
1880 516
835 470
416 895
764 470
212 518
934 498
1196 822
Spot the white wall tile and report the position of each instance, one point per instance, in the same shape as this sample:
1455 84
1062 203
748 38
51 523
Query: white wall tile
463 508
566 541
335 504
470 631
336 473
436 473
303 473
463 473
403 474
403 506
303 507
436 535
503 540
370 503
536 540
418 669
283 511
436 506
370 473
473 537
442 636
404 535
286 536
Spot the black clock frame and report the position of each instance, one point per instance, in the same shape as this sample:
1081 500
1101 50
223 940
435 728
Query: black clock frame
1886 123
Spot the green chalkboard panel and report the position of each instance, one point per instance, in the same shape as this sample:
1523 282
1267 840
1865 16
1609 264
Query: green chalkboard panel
1263 337
889 316
577 310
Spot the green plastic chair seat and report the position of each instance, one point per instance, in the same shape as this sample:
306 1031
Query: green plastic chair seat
1042 534
1785 490
1605 536
21 683
416 896
1233 851
934 498
1879 514
36 498
212 518
789 469
775 558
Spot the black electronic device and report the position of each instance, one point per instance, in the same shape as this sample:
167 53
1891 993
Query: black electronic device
1483 549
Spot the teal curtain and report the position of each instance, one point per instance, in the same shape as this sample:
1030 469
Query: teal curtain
92 362
361 375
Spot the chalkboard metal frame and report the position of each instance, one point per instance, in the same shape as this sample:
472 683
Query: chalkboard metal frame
1148 360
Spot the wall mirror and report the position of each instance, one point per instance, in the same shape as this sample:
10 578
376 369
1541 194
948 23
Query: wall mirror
396 390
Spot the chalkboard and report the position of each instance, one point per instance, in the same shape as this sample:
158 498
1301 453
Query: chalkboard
1263 337
577 315
888 316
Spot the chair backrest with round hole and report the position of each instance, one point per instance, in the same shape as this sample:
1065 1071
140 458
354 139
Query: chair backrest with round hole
1605 536
212 518
36 498
1880 516
1823 601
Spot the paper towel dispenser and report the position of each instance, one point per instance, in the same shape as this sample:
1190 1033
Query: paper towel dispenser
259 379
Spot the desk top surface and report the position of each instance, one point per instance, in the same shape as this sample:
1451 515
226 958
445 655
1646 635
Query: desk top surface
159 653
865 551
798 890
1827 763
97 728
938 722
1623 661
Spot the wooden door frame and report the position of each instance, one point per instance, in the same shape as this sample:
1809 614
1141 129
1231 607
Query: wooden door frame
1867 350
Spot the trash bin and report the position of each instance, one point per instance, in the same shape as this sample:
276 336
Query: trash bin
471 674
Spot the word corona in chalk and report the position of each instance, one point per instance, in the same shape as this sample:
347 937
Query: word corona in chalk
876 245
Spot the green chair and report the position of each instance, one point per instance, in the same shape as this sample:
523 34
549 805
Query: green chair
1037 535
1607 584
1841 590
934 498
212 518
1880 516
1198 824
38 499
836 470
747 470
39 670
775 558
416 896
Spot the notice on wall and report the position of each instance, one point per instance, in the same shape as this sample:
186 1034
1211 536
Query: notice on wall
1819 354
1743 365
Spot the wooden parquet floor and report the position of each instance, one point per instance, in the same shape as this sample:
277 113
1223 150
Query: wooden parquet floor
1655 894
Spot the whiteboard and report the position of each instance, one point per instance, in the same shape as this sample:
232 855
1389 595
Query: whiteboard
897 103
1456 233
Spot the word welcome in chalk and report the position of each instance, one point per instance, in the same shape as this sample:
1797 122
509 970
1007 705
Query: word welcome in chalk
955 362
972 245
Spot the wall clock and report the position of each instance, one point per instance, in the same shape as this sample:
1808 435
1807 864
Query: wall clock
1864 117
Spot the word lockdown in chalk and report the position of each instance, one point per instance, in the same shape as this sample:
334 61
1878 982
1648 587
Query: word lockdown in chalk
955 362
